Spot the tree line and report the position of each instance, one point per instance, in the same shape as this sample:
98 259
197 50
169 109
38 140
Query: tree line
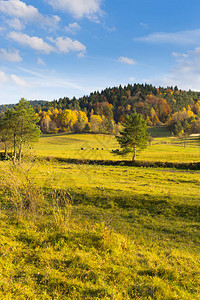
102 112
68 120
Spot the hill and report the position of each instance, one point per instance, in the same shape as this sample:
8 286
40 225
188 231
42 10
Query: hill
136 98
100 112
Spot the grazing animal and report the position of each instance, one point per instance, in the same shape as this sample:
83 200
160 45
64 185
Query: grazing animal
82 149
97 149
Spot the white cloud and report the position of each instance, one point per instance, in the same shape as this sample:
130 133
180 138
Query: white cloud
18 9
33 42
62 44
66 45
51 80
81 54
177 54
16 24
145 25
187 37
73 28
3 77
185 72
126 60
41 62
110 29
78 8
132 79
12 55
19 81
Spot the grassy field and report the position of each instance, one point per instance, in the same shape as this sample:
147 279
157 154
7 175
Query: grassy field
72 231
162 148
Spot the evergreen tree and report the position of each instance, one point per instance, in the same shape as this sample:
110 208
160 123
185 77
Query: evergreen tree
133 136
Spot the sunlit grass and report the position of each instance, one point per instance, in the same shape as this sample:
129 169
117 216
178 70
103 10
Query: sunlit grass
91 261
116 181
90 146
70 231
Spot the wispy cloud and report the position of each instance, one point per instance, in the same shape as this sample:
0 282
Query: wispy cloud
78 8
12 55
185 72
73 28
41 62
110 29
12 78
3 77
19 81
39 79
188 37
142 24
81 55
177 54
126 60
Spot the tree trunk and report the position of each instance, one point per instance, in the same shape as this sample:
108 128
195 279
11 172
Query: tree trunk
20 153
134 155
6 150
15 152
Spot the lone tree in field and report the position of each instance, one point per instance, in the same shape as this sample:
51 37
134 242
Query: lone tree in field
18 127
133 136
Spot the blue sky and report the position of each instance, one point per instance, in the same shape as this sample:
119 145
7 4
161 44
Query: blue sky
51 49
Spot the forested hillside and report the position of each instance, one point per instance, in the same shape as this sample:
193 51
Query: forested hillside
104 111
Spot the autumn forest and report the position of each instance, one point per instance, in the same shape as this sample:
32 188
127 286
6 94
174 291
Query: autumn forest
103 112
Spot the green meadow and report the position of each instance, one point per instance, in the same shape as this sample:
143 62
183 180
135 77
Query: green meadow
163 147
79 231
